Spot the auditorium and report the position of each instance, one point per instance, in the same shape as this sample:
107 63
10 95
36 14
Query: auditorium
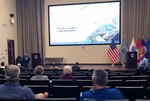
108 41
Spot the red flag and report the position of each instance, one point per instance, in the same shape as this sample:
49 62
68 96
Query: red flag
113 52
140 49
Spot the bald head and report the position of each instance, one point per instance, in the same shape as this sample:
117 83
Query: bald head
12 73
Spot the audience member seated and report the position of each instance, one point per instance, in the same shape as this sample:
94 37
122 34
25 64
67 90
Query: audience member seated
143 65
38 71
99 91
76 66
2 65
12 89
67 73
55 67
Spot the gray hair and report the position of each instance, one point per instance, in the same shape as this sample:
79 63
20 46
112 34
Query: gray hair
12 73
39 70
67 69
100 77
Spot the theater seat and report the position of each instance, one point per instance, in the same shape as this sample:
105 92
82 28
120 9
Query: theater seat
39 82
142 100
38 88
105 100
55 99
133 93
59 91
62 82
13 99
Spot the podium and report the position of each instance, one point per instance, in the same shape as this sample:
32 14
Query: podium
131 60
36 60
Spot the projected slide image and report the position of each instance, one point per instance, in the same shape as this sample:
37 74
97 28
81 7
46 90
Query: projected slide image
81 24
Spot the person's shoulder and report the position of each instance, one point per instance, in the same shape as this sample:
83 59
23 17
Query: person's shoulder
40 77
145 59
87 93
26 89
112 89
33 77
28 93
2 85
45 77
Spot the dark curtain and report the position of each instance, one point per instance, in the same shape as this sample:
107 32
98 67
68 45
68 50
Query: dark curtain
136 19
30 26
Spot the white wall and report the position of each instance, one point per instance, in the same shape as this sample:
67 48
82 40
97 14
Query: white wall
71 54
7 30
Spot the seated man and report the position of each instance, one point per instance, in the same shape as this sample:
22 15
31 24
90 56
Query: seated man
12 89
99 91
76 66
143 65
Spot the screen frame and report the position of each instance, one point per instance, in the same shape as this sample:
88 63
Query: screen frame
81 4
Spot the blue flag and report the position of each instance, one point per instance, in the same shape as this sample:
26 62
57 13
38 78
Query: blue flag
123 51
143 42
148 50
144 46
132 47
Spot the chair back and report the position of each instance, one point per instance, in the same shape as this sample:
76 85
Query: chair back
114 83
38 88
105 100
55 99
62 82
39 82
60 91
132 93
13 99
142 100
81 83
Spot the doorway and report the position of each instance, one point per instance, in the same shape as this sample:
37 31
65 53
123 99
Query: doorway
11 52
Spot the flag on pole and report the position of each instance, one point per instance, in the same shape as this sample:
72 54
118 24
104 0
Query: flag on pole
132 47
144 46
140 49
113 52
122 51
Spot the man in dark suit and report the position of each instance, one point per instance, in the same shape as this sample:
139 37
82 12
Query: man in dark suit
76 66
26 61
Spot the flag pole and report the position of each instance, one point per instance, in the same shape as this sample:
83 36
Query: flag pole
123 64
113 65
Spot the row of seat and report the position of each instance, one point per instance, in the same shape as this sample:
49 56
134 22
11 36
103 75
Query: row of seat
68 99
111 83
80 83
60 91
78 72
89 77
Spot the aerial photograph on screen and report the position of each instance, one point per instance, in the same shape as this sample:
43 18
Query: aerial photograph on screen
84 24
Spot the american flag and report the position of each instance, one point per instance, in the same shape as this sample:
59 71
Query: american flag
113 52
